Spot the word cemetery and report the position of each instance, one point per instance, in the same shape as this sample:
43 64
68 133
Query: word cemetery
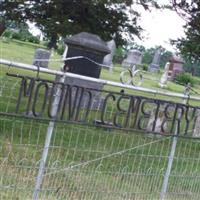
56 101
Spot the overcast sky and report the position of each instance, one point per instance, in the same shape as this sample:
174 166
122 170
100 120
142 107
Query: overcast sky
159 27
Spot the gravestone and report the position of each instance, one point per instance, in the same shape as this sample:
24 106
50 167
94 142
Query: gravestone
134 57
41 58
108 58
159 120
176 66
164 77
155 65
91 47
196 130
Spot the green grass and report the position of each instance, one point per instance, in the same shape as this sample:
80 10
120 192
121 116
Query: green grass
136 173
23 52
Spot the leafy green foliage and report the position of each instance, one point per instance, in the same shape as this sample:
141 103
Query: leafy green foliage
33 39
189 46
145 67
184 78
147 57
110 19
20 35
149 54
192 67
61 47
119 55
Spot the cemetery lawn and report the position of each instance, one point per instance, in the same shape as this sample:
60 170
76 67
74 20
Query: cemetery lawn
72 144
24 52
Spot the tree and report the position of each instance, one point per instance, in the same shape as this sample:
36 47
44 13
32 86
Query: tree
149 54
189 46
107 18
165 56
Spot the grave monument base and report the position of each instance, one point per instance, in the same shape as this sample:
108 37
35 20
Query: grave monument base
154 68
97 99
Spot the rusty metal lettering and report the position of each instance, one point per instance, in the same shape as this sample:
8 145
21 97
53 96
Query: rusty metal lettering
136 110
25 90
121 111
78 107
109 96
167 117
156 114
145 114
67 103
85 104
52 100
178 115
87 111
188 118
36 97
73 102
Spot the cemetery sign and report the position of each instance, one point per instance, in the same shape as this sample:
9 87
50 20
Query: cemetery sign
119 110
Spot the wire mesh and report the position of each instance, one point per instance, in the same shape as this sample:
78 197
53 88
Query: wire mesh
89 162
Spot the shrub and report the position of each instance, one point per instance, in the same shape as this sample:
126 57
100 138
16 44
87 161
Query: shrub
184 78
33 39
8 33
145 67
119 55
22 36
16 36
61 48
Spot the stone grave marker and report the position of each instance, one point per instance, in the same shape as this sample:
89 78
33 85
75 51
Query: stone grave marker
159 120
164 77
41 58
90 46
176 66
155 65
109 58
134 57
87 45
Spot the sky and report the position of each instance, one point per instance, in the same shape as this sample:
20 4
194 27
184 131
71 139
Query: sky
159 27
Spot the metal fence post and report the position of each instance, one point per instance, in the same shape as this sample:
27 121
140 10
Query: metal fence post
168 170
50 129
172 152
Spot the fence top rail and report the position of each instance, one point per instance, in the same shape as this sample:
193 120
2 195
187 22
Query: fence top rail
102 81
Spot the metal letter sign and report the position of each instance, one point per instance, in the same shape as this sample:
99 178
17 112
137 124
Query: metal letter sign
116 110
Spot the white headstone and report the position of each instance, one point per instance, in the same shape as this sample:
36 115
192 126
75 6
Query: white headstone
164 77
109 57
134 57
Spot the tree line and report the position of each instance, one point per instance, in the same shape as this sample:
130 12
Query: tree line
110 19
